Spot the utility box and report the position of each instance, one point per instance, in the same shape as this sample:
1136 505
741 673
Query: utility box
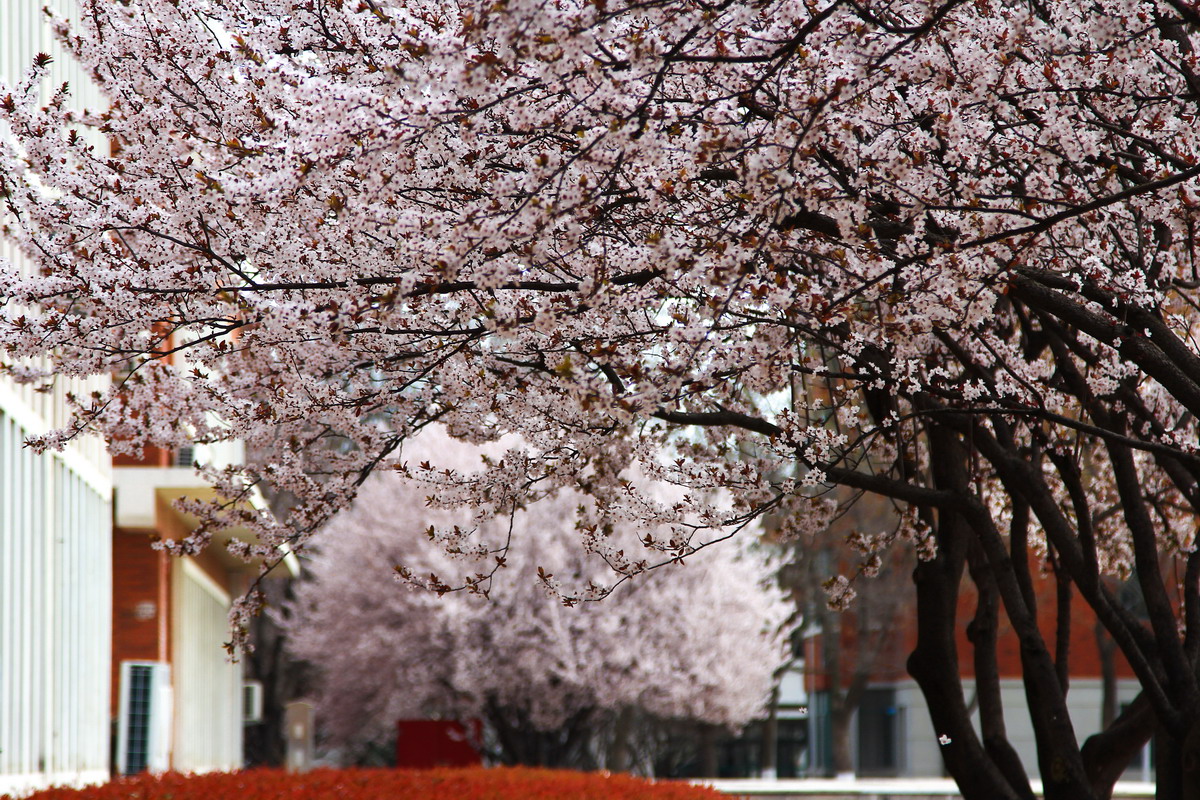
298 729
145 721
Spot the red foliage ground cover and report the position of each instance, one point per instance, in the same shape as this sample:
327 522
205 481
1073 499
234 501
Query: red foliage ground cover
516 783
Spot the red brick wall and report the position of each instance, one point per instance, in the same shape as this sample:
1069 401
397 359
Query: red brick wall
139 577
142 575
1084 655
150 456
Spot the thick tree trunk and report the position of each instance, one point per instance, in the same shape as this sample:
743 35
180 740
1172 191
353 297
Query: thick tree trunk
1107 754
982 633
1059 759
768 766
841 740
934 662
708 751
1177 765
1168 763
1061 764
1190 762
934 665
620 748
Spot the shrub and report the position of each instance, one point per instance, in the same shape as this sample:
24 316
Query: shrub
516 783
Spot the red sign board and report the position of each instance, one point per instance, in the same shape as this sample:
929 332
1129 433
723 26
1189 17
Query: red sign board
437 743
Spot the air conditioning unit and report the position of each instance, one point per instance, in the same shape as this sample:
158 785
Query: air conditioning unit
252 702
144 724
186 456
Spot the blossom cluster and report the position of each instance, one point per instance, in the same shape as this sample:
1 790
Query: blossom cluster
759 247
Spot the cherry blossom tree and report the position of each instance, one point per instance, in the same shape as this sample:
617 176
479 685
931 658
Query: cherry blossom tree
699 642
847 651
942 252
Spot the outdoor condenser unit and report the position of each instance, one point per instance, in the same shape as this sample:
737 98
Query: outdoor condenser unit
144 724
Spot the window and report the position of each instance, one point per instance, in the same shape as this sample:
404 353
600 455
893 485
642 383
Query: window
144 725
880 733
185 456
252 702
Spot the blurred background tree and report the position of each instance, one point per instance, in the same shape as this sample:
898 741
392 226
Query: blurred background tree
617 684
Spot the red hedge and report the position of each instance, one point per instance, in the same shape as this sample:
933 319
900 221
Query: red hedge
518 783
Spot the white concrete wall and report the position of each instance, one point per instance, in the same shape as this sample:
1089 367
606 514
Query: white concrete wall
55 539
922 751
55 619
208 687
22 36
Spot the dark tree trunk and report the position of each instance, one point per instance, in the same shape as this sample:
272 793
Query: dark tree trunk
1168 773
840 740
934 665
1107 754
1177 764
522 743
982 633
1190 762
620 750
709 767
770 738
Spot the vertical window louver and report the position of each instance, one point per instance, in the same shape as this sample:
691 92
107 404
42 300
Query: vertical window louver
144 725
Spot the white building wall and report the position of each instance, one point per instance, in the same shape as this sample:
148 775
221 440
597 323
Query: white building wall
923 752
55 618
23 35
55 538
208 687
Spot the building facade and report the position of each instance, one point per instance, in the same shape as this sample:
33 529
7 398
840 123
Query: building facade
111 652
177 698
55 529
891 731
55 595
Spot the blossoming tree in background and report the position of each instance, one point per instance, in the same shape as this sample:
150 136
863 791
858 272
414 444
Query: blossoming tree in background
943 252
557 686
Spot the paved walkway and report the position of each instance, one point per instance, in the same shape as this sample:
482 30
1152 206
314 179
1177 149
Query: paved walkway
872 789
